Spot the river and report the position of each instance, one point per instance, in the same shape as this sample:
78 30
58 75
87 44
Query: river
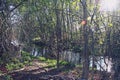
102 63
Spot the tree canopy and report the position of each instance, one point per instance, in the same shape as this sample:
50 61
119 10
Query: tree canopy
87 27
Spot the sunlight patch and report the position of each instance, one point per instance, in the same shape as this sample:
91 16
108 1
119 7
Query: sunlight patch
109 5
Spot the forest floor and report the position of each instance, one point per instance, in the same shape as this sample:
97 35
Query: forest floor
39 71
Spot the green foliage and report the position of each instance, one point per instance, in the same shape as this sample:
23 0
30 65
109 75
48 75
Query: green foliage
26 62
42 58
50 62
67 64
63 62
36 39
10 66
15 60
53 62
26 56
23 53
13 66
40 18
15 63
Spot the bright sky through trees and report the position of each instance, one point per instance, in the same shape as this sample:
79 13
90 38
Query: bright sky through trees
109 5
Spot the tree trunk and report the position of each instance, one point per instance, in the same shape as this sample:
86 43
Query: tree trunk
58 35
85 71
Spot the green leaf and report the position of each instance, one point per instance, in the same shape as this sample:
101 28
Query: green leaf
74 3
77 8
110 24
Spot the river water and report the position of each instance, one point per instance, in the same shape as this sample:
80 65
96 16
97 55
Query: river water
102 63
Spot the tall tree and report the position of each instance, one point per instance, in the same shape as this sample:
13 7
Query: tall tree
85 70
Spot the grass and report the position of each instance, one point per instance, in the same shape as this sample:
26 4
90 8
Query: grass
27 59
13 66
19 63
41 58
53 62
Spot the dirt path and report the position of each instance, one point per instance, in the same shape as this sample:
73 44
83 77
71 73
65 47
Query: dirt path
38 71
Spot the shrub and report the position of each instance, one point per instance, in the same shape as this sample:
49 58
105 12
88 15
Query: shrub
42 58
13 66
10 66
63 63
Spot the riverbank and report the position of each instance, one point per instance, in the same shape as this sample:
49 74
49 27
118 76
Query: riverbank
40 71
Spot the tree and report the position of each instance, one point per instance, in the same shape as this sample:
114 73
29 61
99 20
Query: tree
85 52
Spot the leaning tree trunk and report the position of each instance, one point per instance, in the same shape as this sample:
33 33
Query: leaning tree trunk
8 48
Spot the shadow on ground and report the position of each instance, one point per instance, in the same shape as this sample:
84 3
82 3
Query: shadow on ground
41 74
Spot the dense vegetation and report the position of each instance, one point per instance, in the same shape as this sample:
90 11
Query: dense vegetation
52 27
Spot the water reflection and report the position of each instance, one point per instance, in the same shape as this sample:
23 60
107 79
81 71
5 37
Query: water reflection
102 63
